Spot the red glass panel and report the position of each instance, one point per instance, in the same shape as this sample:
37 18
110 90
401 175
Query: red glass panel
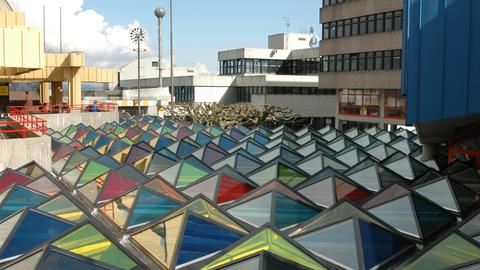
115 186
231 189
10 177
349 191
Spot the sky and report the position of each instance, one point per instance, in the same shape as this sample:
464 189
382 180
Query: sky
100 28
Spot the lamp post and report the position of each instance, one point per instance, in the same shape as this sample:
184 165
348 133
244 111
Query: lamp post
137 35
160 13
171 52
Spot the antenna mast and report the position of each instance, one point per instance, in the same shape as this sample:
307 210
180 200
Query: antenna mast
288 22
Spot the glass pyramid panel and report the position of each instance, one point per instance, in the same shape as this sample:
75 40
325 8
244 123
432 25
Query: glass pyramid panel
115 186
189 174
201 238
251 264
118 209
206 187
45 186
452 251
89 242
7 225
226 143
289 212
33 170
471 227
346 190
29 263
312 165
62 207
245 165
92 189
92 171
430 216
203 139
398 214
53 259
43 227
270 241
161 240
185 149
255 212
19 198
321 193
230 189
440 193
149 206
10 177
163 142
264 175
378 244
367 178
171 173
336 243
162 187
289 176
402 167
211 155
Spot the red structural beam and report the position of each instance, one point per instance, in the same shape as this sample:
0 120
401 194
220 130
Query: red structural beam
28 122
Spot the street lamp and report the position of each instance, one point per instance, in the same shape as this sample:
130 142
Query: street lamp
171 52
138 35
160 13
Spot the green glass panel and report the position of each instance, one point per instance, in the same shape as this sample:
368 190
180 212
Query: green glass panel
289 176
255 212
189 174
452 251
267 240
92 171
89 242
63 208
336 242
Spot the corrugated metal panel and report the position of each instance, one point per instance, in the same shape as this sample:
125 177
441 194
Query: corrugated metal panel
442 59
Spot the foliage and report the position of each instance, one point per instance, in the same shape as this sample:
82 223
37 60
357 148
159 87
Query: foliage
229 115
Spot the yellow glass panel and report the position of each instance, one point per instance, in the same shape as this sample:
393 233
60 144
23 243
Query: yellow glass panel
161 240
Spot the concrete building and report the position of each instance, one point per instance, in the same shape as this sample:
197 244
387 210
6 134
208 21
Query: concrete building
440 79
360 57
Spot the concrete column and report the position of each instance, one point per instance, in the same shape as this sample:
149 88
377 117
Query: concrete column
57 92
74 87
45 92
337 109
381 101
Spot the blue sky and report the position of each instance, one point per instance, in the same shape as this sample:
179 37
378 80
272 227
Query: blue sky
202 28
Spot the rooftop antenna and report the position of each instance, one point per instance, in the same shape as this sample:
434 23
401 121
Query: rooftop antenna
314 38
44 30
288 21
61 30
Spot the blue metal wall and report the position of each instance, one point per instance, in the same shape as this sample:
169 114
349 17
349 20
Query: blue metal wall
441 75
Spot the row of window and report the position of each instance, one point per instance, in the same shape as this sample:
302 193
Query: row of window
184 93
376 23
244 94
334 2
380 60
366 102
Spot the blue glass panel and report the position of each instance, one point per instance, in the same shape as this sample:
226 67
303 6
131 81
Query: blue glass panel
90 137
185 149
163 142
109 162
150 206
226 143
103 140
379 244
290 156
18 199
117 145
55 260
254 149
34 230
203 139
260 138
202 238
289 212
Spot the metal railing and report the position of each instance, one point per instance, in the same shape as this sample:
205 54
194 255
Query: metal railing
28 123
65 108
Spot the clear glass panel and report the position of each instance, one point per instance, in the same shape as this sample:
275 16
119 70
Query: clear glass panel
255 212
398 214
206 187
118 209
45 186
440 193
321 193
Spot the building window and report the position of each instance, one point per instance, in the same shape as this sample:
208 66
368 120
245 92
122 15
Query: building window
360 102
184 93
397 59
395 104
379 60
155 64
375 23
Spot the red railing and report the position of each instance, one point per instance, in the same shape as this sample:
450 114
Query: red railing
66 108
28 123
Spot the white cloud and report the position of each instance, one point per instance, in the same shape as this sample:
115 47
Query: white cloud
104 45
203 69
